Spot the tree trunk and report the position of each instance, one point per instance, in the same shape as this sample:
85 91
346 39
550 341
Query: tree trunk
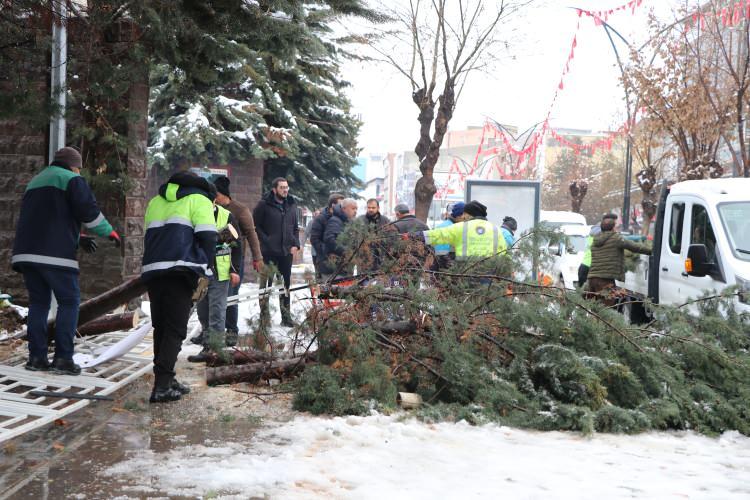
104 303
110 323
254 372
238 357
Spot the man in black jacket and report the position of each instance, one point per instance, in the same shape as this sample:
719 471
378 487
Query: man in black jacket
278 230
374 221
343 213
318 228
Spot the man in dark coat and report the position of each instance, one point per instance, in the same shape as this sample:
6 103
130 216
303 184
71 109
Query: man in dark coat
343 213
374 221
318 228
608 257
406 222
277 227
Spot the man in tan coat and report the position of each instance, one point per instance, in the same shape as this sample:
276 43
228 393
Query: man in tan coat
244 217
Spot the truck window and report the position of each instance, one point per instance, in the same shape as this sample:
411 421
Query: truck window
675 227
701 232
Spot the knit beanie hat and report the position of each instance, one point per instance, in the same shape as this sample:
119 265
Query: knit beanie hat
510 223
68 158
458 209
222 185
475 209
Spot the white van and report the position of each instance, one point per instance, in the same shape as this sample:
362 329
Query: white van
701 244
553 219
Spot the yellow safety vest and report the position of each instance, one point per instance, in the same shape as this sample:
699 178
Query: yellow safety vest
223 250
473 238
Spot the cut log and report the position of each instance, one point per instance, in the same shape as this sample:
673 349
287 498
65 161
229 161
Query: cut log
238 357
109 323
102 304
254 372
110 300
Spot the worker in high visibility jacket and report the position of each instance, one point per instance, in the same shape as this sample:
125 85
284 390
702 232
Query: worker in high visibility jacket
583 269
213 307
476 237
179 248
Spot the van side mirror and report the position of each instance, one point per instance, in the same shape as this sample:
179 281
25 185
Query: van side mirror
697 263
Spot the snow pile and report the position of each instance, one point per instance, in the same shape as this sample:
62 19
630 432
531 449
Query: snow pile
387 457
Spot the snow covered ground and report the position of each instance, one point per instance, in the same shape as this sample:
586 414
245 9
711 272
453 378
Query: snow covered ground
390 457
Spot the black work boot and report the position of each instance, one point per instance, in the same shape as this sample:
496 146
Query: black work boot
199 339
65 367
37 364
231 338
178 386
164 395
286 320
201 357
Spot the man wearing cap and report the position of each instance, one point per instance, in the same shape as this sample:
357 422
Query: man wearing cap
406 222
444 252
474 237
55 204
509 228
244 219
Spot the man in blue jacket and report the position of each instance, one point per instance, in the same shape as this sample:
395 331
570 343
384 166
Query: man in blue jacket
55 204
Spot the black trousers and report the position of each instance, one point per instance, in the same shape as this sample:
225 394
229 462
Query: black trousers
283 265
583 273
171 298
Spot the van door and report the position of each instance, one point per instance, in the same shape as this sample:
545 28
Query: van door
674 245
702 232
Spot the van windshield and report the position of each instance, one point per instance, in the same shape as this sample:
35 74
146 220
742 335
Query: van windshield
736 219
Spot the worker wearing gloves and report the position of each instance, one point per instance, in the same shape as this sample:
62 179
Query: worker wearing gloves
55 204
179 248
475 237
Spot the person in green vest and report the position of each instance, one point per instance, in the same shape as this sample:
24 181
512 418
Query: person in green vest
212 308
583 269
475 237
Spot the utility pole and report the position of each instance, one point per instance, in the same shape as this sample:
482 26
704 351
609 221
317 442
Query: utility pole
57 75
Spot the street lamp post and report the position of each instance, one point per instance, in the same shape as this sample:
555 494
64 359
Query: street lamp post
57 76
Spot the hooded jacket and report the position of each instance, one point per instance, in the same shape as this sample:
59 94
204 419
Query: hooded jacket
335 226
276 225
180 228
608 255
55 204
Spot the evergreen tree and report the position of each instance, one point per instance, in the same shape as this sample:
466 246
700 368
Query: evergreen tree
278 97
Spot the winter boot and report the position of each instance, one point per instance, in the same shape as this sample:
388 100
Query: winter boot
37 364
199 339
65 367
164 395
180 387
201 357
231 338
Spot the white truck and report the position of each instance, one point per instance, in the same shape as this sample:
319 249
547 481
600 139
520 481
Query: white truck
701 244
567 256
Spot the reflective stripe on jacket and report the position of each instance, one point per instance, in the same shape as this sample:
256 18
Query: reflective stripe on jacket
223 250
474 238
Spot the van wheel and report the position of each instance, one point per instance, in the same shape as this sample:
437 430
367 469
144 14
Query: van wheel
634 312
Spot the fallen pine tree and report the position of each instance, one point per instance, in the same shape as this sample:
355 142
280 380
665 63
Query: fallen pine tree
478 345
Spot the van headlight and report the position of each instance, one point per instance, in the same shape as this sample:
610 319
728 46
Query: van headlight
744 290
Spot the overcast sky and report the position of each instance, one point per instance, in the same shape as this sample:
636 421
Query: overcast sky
518 90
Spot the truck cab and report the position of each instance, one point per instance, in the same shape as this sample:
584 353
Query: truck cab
701 243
